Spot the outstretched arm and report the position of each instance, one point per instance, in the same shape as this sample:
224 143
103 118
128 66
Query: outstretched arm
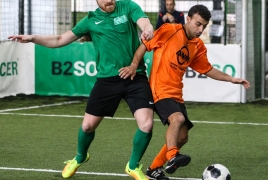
51 41
127 71
146 27
221 76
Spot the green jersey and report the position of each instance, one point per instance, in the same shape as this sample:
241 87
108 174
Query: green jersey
114 35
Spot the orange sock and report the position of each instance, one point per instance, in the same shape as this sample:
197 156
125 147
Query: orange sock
160 158
171 152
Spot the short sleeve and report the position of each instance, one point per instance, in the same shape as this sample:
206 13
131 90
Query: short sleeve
161 36
136 11
201 63
81 28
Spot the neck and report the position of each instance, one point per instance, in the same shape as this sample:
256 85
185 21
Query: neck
185 26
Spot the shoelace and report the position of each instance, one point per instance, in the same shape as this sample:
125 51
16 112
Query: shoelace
160 171
69 161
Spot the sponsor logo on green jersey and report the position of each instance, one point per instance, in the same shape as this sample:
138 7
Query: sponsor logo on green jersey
120 20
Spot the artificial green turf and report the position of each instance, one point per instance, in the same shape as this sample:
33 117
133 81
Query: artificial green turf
43 142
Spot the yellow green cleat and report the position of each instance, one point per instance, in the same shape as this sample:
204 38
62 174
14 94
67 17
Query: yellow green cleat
137 173
71 167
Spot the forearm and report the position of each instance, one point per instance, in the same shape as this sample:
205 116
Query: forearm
145 24
146 27
51 41
130 71
54 41
138 55
219 75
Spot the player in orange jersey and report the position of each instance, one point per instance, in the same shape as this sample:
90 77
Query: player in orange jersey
176 47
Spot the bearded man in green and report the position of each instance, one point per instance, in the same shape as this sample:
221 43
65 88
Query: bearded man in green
113 30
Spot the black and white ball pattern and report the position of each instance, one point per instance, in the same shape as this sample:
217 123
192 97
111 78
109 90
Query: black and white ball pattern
216 172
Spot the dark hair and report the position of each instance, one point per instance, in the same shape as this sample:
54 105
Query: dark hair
201 10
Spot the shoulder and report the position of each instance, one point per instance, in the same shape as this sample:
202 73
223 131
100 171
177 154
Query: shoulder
122 1
127 6
126 3
179 13
162 13
91 14
170 28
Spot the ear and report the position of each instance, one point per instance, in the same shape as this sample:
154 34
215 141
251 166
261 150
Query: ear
188 19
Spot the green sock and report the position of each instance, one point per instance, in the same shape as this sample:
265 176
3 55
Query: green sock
84 141
140 143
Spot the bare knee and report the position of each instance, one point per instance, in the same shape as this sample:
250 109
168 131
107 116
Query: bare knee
144 118
90 122
176 119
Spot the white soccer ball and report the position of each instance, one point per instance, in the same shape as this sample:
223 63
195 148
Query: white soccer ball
216 172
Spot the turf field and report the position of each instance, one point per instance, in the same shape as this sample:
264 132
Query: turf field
37 134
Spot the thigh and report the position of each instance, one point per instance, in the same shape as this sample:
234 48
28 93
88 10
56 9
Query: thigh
166 107
105 97
138 93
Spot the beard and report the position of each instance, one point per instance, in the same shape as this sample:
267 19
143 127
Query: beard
109 7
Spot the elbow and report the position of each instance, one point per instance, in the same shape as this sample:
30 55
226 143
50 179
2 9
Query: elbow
57 43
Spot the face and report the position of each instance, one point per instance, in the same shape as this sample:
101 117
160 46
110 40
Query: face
106 5
195 26
170 5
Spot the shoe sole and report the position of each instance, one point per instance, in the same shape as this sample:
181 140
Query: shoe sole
150 178
183 161
153 178
134 176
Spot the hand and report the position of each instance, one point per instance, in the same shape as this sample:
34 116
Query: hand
21 38
170 18
165 17
148 32
244 82
127 71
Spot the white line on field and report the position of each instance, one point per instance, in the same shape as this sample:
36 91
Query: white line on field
240 123
44 115
123 118
90 173
35 107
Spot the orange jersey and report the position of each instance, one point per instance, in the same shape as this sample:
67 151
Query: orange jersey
173 53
